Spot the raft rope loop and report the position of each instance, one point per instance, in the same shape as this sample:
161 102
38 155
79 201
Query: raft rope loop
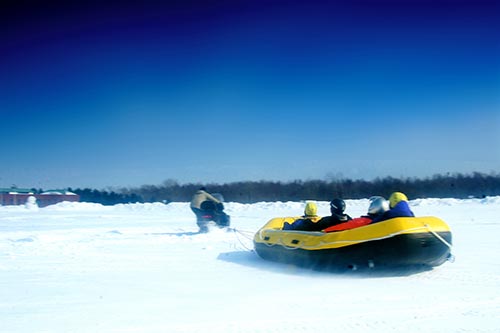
351 242
348 242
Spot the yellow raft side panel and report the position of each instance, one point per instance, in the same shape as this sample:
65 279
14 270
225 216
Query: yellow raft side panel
271 233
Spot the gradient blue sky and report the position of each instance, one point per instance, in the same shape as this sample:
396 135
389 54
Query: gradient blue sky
126 94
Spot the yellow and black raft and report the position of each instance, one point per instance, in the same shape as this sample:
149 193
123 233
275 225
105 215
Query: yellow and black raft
403 241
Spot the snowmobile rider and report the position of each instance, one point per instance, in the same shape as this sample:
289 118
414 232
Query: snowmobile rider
203 203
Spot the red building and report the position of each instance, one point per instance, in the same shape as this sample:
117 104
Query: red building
16 196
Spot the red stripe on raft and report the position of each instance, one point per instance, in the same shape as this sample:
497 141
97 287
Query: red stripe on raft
354 223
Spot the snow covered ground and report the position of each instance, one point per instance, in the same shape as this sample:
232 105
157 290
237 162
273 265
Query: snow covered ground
80 267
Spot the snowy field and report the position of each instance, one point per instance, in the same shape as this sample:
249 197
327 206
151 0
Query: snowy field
79 267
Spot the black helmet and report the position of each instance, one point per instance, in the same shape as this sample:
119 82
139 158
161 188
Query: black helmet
337 206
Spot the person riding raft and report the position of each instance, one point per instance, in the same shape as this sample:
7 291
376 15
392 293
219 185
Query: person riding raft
378 206
312 222
399 207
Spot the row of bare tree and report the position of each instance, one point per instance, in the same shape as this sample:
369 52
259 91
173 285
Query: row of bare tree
438 186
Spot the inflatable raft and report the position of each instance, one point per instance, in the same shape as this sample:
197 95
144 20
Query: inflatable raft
402 241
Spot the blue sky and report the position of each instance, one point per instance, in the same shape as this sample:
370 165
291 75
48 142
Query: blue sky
126 94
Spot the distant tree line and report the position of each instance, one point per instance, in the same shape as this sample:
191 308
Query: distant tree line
438 186
106 197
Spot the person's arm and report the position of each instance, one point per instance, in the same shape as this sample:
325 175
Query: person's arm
211 197
402 209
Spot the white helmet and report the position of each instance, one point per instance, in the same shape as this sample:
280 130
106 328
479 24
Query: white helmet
378 205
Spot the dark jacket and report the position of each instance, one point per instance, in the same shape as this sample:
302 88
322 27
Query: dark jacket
402 209
306 224
332 220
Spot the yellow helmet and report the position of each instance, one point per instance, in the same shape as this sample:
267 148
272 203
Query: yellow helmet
396 197
311 209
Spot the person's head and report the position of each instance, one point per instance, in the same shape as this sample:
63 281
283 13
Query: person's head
337 206
311 209
396 197
203 188
378 205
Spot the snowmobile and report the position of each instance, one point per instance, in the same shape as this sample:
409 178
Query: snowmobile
213 212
